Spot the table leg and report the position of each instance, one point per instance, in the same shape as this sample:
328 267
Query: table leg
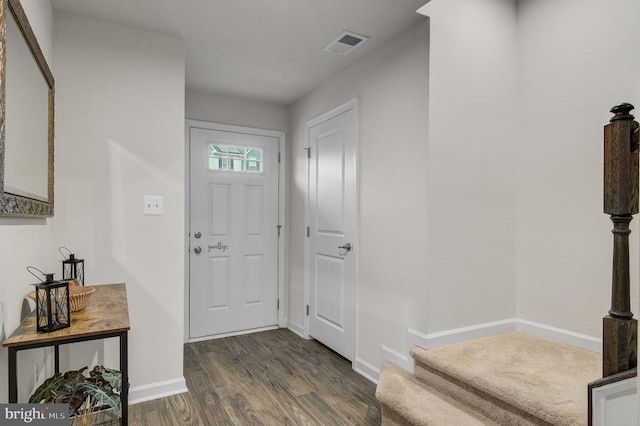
56 358
13 373
124 370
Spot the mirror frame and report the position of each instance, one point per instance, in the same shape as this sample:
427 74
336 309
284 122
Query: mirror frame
12 204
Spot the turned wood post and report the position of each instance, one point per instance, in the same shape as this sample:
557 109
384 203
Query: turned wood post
619 331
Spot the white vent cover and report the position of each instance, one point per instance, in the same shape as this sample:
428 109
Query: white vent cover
345 43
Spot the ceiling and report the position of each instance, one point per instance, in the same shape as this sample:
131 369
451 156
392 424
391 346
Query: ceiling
269 50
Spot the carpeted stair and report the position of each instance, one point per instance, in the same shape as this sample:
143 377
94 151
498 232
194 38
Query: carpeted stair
507 379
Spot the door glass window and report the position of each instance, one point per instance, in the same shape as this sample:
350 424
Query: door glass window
235 158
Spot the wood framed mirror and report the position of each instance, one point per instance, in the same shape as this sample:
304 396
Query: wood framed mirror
26 118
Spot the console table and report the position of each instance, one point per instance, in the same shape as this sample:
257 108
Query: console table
106 315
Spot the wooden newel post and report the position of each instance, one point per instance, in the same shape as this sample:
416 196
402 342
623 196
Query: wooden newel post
619 332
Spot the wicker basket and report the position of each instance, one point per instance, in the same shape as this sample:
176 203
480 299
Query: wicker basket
78 296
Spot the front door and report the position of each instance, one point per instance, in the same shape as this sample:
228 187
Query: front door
332 248
234 232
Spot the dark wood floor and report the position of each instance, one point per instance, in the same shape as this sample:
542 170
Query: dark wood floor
268 378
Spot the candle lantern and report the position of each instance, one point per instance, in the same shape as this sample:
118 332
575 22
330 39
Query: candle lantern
52 304
72 268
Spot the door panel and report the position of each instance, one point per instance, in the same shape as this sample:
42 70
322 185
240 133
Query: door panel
332 220
253 210
219 283
330 282
330 182
219 204
234 206
253 282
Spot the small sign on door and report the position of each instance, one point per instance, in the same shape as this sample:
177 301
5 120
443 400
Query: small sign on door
218 246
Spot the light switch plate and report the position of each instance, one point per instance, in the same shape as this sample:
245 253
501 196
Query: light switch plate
153 205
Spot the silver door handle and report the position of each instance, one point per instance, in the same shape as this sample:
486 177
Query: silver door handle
346 247
197 234
197 250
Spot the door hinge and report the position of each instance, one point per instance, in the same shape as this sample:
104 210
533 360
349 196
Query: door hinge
279 158
308 152
307 310
278 307
279 228
308 231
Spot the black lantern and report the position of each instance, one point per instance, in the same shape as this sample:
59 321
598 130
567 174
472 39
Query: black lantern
72 268
52 304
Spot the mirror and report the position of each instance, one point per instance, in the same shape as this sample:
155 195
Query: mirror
26 118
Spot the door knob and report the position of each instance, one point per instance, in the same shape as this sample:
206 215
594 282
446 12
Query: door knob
197 234
346 247
197 250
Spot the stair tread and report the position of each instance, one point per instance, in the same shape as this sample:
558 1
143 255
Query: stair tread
418 404
545 379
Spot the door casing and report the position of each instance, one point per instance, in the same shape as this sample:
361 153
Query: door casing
282 240
354 105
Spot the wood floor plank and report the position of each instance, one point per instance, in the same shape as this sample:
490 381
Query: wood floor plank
215 413
278 371
274 416
267 378
357 412
179 407
321 411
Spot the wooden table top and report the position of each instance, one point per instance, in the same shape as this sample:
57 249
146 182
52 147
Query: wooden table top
106 312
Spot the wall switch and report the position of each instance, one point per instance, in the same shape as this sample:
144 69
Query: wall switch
153 205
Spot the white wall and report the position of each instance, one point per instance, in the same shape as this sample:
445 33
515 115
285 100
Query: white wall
217 108
391 83
576 60
120 136
471 227
551 238
26 242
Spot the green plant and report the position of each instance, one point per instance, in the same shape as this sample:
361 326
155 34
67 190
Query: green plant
83 394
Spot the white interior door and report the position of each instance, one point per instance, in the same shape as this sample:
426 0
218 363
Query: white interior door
332 231
234 232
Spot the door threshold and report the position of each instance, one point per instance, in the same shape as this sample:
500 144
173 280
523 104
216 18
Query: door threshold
233 333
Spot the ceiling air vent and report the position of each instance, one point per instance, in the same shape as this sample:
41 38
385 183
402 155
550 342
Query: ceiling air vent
345 43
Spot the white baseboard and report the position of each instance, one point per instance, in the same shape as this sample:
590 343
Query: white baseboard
457 335
157 390
395 357
367 370
559 335
296 328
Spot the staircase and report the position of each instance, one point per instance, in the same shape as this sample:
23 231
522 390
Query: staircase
507 379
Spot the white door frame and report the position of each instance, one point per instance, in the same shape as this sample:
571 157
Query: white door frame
352 104
282 193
